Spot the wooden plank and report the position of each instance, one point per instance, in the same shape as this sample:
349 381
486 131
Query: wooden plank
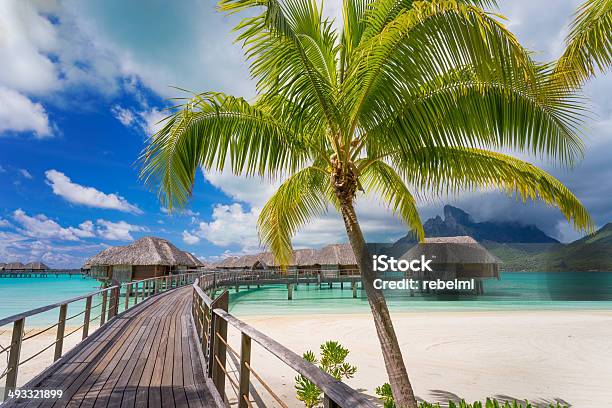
143 387
90 381
191 392
167 395
128 394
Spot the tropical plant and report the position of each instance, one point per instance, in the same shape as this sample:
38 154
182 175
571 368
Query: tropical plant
333 356
589 43
385 394
403 96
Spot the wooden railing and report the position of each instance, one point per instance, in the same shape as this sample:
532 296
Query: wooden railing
108 305
211 321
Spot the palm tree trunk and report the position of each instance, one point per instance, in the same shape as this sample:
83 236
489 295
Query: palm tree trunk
392 354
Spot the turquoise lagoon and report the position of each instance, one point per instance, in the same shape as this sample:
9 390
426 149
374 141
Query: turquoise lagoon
21 294
514 291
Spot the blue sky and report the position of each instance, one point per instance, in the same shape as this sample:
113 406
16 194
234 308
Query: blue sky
83 83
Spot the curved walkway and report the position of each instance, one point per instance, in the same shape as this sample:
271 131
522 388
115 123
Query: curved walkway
146 357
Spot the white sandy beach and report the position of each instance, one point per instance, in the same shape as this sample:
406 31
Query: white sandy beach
538 355
535 355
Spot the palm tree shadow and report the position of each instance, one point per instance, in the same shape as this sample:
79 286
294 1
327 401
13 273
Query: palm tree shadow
443 397
542 401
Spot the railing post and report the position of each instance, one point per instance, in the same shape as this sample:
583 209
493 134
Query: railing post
136 292
217 348
156 286
103 311
13 359
128 291
118 293
245 361
61 327
111 304
86 317
205 327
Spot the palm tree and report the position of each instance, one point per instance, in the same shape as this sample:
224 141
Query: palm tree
404 96
589 43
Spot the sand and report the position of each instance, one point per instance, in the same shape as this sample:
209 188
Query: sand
538 355
563 356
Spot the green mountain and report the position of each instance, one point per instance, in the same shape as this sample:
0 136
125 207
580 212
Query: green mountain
519 247
591 253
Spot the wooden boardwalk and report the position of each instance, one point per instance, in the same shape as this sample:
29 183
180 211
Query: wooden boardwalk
146 357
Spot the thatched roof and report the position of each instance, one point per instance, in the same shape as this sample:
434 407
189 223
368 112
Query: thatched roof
36 266
14 266
452 250
145 251
335 254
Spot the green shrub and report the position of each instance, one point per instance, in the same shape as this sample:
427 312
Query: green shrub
384 393
333 356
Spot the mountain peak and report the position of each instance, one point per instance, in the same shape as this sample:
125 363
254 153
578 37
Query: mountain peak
457 214
458 222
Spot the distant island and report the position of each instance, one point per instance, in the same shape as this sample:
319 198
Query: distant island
524 247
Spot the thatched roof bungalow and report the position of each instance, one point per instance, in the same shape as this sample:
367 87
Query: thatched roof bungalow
147 257
36 266
331 257
459 257
14 266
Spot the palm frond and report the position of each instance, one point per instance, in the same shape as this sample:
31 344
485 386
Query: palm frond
458 108
443 171
292 50
424 42
589 44
213 130
381 179
300 198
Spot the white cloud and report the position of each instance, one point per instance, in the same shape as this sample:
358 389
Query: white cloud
118 231
147 120
4 223
26 174
87 196
27 40
16 247
40 226
253 191
231 225
20 114
189 238
151 120
123 115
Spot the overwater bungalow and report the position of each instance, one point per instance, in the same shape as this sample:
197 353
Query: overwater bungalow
460 257
327 260
36 267
14 267
147 257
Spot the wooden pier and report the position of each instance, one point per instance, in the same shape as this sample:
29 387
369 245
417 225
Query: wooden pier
162 342
39 274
